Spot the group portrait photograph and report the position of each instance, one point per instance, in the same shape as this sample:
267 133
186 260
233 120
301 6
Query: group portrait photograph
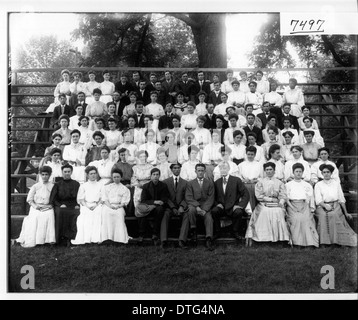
166 152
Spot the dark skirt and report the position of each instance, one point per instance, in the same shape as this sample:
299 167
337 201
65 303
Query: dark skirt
65 223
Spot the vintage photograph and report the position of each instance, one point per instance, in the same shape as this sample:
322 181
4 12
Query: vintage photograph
181 153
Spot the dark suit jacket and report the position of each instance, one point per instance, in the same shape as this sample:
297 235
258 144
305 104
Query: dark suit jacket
163 98
140 123
258 133
236 193
176 197
169 88
210 124
165 122
185 87
213 99
200 197
195 89
149 195
294 121
57 112
120 107
145 97
263 119
73 110
122 88
134 85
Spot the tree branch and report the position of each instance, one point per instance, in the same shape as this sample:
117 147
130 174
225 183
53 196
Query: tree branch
141 43
190 22
329 46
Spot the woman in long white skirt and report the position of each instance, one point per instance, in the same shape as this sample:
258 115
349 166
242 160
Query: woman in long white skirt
39 226
268 223
90 199
115 196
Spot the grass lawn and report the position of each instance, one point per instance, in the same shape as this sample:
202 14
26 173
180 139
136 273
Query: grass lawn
227 269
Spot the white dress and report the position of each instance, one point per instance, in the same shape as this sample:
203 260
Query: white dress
39 226
113 223
295 97
274 98
89 221
90 86
256 100
237 97
104 168
62 87
316 174
72 152
107 88
306 176
188 170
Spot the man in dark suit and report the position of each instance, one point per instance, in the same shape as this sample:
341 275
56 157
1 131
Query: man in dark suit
200 85
139 114
166 121
286 114
124 88
252 128
215 95
61 109
176 203
143 92
264 114
231 199
184 85
152 80
199 195
135 80
116 96
210 117
163 98
153 202
169 86
81 97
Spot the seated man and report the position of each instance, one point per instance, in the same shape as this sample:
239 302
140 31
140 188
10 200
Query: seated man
231 199
153 202
59 110
64 199
199 195
176 203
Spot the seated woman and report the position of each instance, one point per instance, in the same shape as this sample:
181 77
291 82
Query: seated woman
137 134
74 120
150 147
91 85
148 125
271 122
141 175
189 140
113 137
294 96
287 145
115 197
200 109
104 166
130 108
89 198
56 144
267 223
75 155
287 127
180 108
86 133
188 121
262 84
163 165
111 115
179 132
260 156
129 145
273 138
234 126
310 148
249 172
38 227
64 199
94 151
273 97
212 154
171 148
254 98
244 82
188 169
236 97
100 124
96 109
331 211
308 127
306 113
300 209
107 87
221 126
55 163
75 87
64 131
63 87
316 174
297 158
276 158
238 148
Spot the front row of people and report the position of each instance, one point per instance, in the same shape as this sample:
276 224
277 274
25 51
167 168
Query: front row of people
73 214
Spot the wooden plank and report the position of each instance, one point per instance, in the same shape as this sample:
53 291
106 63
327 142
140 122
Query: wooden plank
30 142
32 117
35 105
32 129
32 94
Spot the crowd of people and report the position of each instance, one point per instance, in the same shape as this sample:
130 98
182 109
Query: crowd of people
225 153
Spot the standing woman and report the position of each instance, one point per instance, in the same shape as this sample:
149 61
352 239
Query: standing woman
115 197
107 87
63 87
300 209
38 227
89 198
332 214
75 87
267 222
141 175
90 86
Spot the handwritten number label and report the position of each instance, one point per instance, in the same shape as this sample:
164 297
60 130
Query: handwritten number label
301 26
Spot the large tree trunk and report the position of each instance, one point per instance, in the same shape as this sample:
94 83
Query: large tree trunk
209 32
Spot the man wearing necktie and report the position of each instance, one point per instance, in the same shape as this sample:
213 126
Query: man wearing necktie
286 110
59 110
199 195
231 199
252 128
200 85
177 204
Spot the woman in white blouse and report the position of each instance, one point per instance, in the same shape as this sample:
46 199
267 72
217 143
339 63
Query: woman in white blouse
297 158
63 87
115 197
254 98
107 87
104 166
236 97
306 113
273 97
262 84
294 96
38 227
300 209
332 214
89 198
90 86
188 121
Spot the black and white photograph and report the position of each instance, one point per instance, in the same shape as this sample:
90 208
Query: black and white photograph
193 151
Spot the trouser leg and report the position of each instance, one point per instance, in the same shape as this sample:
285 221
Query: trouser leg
237 222
208 222
165 225
158 214
216 213
186 223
